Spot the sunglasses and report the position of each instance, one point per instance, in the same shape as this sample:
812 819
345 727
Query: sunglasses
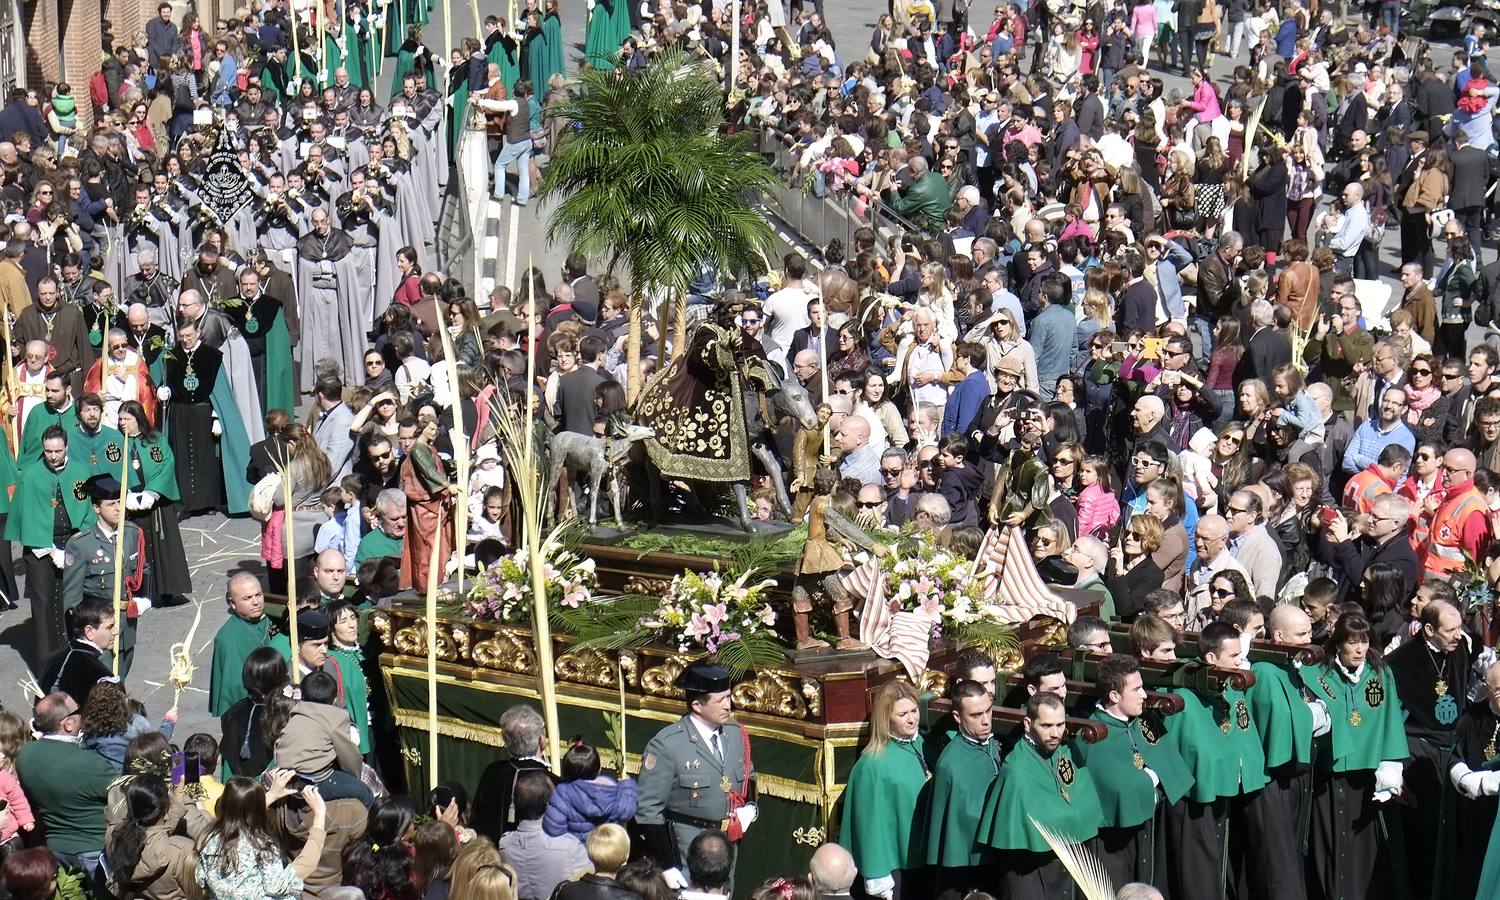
1421 371
869 504
1221 592
890 473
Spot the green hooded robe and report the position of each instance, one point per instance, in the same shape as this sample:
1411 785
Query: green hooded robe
960 783
1054 790
884 810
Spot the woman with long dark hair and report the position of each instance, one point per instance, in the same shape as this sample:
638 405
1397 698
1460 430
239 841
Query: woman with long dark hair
240 858
380 862
1383 595
1358 763
310 470
153 505
146 859
246 747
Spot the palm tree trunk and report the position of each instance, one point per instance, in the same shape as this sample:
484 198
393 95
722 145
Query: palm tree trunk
663 316
679 338
633 350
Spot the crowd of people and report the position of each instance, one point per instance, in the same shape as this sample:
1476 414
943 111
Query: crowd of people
1225 353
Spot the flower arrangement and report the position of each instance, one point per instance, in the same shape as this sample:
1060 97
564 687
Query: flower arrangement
921 577
705 611
1475 594
503 592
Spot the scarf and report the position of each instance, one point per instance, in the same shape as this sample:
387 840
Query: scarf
1418 401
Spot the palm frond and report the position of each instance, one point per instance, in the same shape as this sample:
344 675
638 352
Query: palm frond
994 638
1086 869
749 653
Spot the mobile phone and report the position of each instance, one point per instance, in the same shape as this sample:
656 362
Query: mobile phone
191 768
1151 347
1118 347
1327 514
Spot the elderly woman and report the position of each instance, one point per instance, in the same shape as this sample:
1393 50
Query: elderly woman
1132 572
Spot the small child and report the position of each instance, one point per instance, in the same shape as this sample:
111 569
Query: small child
13 733
204 750
316 742
1098 503
333 534
1296 407
586 799
487 525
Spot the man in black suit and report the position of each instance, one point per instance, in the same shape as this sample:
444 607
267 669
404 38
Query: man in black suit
575 272
1351 115
1088 110
76 668
1395 113
1471 169
1433 99
806 338
1384 540
523 732
575 390
1267 348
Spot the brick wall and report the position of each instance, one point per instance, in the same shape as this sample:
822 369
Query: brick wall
74 57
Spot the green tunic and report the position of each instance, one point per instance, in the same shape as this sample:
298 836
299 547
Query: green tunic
1367 723
377 545
103 450
1218 741
882 825
235 641
153 467
1282 716
1127 795
599 49
556 63
1054 790
356 691
33 514
960 783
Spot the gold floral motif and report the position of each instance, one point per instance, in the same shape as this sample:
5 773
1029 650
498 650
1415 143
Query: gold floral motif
460 635
933 681
646 587
586 667
412 756
1009 660
381 622
507 651
810 837
629 667
412 641
812 692
771 694
661 681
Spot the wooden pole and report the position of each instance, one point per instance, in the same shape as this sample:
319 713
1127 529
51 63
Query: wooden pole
823 366
118 605
287 507
433 567
11 385
296 74
541 626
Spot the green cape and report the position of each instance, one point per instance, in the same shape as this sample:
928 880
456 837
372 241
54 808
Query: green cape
884 813
31 515
154 467
1056 792
598 49
1282 716
233 642
960 783
556 64
103 452
457 114
234 446
7 474
1127 795
376 545
1223 762
510 66
1380 735
356 691
38 421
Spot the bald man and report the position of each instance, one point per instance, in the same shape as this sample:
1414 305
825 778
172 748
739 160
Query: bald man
1212 544
861 458
1460 525
832 871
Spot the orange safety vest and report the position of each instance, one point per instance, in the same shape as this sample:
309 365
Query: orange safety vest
1444 552
1363 488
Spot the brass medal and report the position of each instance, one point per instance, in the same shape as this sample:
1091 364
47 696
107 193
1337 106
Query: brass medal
1140 761
1355 719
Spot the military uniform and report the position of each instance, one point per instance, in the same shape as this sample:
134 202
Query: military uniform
684 784
89 571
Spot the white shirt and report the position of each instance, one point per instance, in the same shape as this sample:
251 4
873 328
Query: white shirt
785 312
708 733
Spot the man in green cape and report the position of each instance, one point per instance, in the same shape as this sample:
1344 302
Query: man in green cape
8 590
261 320
1287 723
388 533
48 506
1217 738
1133 769
247 629
93 442
56 409
960 783
501 49
1039 783
89 564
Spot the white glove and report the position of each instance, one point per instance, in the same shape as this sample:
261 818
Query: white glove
746 814
880 887
592 3
164 393
378 20
1465 780
149 498
144 604
1155 778
218 428
58 555
673 878
1321 721
1489 784
132 501
1388 780
323 75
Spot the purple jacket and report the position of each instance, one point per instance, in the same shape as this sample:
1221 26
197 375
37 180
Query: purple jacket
577 807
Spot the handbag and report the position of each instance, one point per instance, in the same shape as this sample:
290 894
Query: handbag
1440 217
263 496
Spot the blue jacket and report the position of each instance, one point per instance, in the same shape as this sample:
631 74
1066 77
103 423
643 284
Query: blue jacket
578 807
964 403
1368 440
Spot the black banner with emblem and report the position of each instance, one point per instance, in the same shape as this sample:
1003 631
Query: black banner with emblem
225 188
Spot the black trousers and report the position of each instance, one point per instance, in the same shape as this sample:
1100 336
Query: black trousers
1266 837
955 882
1034 876
12 594
49 628
1416 240
1347 856
1128 854
1194 865
1425 778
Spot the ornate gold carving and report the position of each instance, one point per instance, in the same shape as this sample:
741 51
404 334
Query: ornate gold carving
630 668
586 667
933 681
412 641
812 692
412 756
771 694
381 622
507 651
649 587
811 837
1009 660
1056 633
661 681
460 635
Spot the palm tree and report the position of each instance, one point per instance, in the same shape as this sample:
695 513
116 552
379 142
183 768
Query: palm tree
646 175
